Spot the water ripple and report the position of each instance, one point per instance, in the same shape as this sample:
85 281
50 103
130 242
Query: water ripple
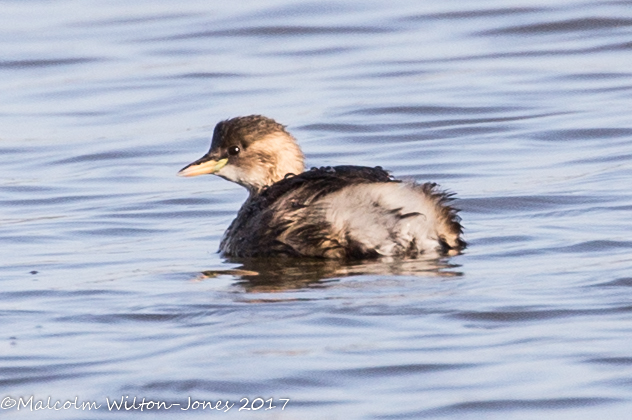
42 63
278 31
562 26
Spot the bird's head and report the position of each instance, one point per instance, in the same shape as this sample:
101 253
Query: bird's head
253 151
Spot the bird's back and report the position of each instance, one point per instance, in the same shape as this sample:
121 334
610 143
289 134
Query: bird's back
344 212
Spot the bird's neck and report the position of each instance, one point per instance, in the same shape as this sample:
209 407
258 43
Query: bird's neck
277 156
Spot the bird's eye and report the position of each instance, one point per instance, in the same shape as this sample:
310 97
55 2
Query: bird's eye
233 150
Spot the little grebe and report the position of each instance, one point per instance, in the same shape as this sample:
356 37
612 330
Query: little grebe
351 212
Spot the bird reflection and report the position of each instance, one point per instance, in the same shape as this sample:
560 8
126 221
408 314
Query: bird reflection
282 274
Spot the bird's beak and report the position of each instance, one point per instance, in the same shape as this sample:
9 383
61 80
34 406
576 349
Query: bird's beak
202 166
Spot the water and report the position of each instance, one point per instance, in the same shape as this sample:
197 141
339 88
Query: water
520 107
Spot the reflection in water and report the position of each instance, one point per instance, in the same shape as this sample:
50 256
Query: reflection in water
279 274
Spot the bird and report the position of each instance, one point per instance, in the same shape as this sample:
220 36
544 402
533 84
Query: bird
340 212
